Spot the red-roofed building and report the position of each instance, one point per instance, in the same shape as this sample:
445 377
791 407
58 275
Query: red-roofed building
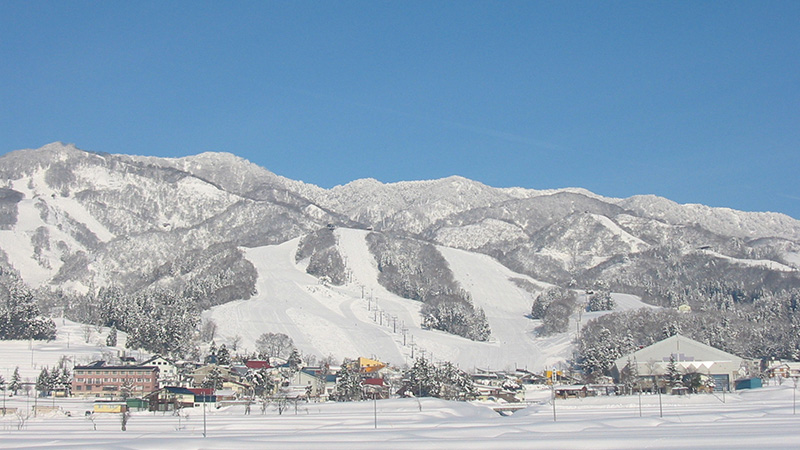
255 365
375 387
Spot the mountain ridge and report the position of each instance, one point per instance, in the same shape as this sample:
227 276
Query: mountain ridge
79 222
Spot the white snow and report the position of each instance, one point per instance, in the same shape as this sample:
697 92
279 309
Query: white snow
479 234
16 242
322 321
769 264
792 258
635 243
71 342
762 418
343 321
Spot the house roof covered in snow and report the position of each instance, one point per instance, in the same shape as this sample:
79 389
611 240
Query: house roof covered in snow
690 357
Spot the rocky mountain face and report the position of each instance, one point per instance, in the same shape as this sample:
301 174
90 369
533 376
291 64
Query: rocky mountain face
77 220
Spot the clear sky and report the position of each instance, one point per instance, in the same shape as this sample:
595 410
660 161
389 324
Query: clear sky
695 101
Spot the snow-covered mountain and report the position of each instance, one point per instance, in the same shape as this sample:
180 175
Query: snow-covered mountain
228 231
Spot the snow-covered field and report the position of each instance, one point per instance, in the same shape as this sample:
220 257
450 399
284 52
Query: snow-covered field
77 343
761 418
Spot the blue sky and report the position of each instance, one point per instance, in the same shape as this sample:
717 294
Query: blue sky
696 101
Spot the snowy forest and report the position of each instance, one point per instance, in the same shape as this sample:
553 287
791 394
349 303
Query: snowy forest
416 270
751 324
20 317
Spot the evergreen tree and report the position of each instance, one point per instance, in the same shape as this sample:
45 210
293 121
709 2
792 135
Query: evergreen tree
65 379
156 320
262 382
20 317
455 384
54 380
671 329
223 356
212 353
348 384
294 362
16 382
43 382
673 374
421 379
599 352
213 379
600 301
455 314
556 318
111 340
630 376
549 296
481 330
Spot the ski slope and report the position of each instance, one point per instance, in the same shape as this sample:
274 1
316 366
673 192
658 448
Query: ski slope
362 318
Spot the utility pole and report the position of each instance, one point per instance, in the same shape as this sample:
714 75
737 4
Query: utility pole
660 408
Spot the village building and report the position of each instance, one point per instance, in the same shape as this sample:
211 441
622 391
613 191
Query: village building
100 380
167 371
225 373
782 369
109 407
376 388
236 389
487 392
690 357
314 382
573 391
366 365
170 398
257 364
